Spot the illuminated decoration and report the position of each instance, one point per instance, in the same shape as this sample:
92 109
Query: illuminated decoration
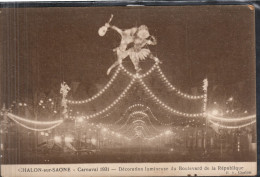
36 129
93 141
168 132
12 116
137 121
68 139
166 107
136 75
126 122
163 77
122 95
99 93
230 99
16 119
215 112
137 128
153 116
145 116
231 119
64 91
80 119
129 109
232 127
205 96
57 139
178 92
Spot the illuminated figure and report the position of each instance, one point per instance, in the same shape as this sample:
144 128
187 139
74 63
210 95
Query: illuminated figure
138 38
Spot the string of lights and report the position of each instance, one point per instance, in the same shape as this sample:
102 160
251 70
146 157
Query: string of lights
232 127
36 129
165 106
132 115
127 110
138 75
178 92
12 116
231 119
122 95
99 93
155 118
148 118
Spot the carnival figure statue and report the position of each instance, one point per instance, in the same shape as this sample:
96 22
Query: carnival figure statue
137 37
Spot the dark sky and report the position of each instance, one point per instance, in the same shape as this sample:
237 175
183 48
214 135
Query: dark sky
41 47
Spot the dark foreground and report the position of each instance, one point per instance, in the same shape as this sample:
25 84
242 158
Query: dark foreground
136 155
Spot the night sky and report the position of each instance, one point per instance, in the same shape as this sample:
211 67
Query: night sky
41 47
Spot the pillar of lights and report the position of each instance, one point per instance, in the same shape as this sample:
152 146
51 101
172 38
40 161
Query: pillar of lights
205 90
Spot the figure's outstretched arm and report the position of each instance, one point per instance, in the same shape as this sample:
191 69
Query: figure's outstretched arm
115 28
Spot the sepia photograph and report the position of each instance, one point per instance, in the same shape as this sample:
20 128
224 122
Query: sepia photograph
102 85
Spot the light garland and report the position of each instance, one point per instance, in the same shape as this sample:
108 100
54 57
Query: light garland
36 129
12 116
166 107
144 116
129 117
178 92
231 119
138 112
232 127
147 117
127 110
163 77
99 93
122 95
153 116
136 121
138 75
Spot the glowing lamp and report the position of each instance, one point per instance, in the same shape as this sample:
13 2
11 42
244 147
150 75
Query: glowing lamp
93 141
57 139
68 139
214 112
